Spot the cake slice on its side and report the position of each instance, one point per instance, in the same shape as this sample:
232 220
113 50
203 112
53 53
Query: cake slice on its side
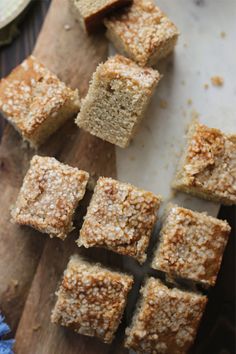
91 13
117 100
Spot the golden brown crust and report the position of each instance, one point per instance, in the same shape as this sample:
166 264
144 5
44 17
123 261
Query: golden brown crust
49 196
142 32
32 95
91 299
191 245
120 68
120 217
208 168
166 320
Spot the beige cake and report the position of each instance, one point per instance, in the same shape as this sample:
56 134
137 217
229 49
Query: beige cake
91 299
117 100
191 245
142 32
208 166
166 320
120 217
91 13
35 101
49 196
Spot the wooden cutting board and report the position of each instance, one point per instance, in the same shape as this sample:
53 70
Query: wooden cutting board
28 258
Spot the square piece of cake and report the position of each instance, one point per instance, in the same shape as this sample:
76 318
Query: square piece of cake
91 13
120 217
35 101
166 320
191 245
117 100
142 32
49 196
91 299
208 166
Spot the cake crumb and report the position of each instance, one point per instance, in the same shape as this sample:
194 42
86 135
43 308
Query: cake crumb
206 86
217 81
15 283
222 34
183 82
36 327
189 101
67 27
163 104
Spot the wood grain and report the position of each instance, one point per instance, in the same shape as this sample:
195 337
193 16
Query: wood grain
73 57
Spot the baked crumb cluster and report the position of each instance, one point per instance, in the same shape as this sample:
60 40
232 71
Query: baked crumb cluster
35 101
120 217
142 32
117 100
49 196
90 13
208 167
165 321
191 245
91 299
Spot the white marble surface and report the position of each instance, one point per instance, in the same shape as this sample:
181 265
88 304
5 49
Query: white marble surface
201 53
150 162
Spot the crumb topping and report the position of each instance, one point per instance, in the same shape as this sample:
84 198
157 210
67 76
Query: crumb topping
211 162
119 67
120 217
191 245
88 301
143 28
49 195
166 320
31 94
217 81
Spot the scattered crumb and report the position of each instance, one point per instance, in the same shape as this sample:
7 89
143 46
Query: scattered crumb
37 327
217 81
189 102
206 86
132 158
222 34
195 114
163 104
185 45
67 27
183 82
15 283
109 155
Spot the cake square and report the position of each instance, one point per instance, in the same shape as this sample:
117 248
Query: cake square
120 218
208 166
165 321
117 100
91 299
142 32
191 245
91 13
49 196
35 101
